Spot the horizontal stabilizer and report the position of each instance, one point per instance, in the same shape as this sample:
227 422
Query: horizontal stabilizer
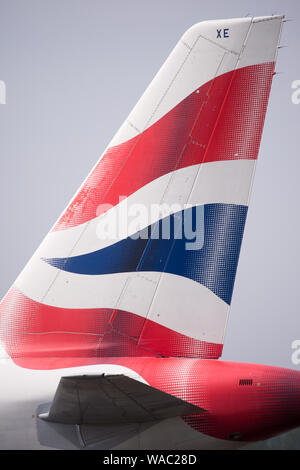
112 399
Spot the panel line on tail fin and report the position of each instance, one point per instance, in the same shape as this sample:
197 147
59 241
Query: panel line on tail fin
193 183
219 45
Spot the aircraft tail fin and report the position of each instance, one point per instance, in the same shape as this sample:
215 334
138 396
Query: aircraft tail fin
143 260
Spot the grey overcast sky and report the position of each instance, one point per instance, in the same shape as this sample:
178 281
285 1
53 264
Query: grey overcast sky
73 71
